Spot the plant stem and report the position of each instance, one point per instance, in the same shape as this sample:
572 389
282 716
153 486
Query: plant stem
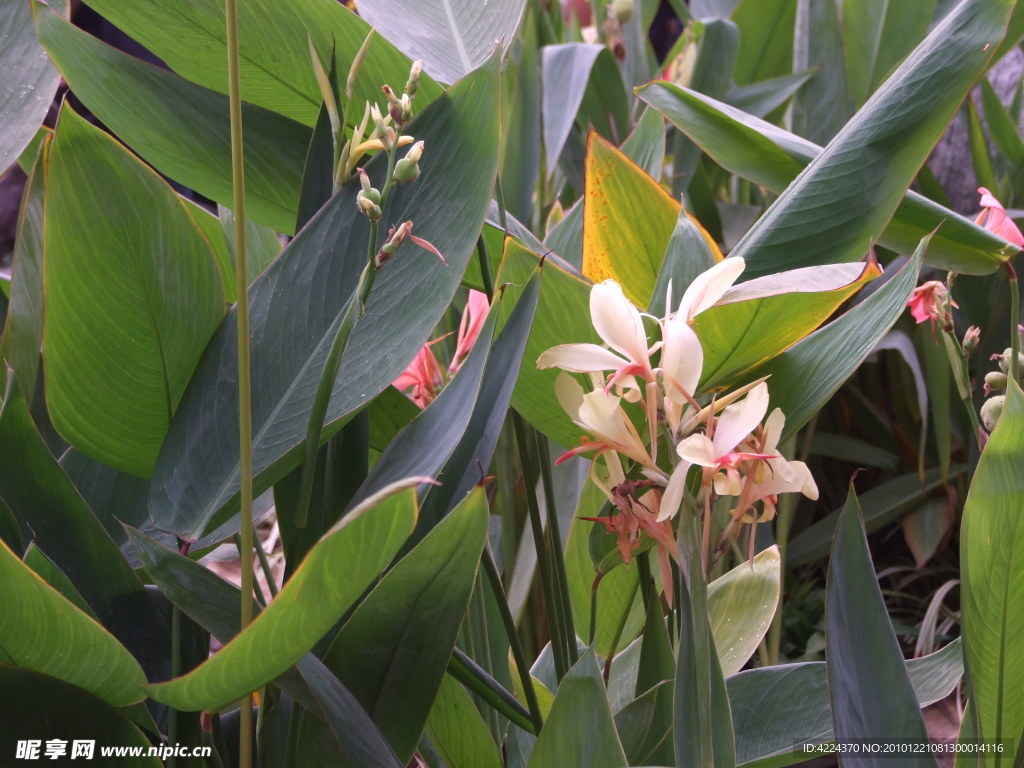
485 268
245 756
1014 323
474 677
172 714
491 571
268 574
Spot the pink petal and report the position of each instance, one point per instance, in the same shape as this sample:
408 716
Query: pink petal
472 321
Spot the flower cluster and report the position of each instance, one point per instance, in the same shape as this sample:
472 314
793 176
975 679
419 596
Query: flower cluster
736 453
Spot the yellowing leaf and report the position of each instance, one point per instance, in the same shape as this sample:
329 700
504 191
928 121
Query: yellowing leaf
627 222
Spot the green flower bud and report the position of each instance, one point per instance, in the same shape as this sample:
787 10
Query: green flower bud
991 410
622 10
407 169
994 381
1006 357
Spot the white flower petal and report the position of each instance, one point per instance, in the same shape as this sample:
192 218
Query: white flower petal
740 419
773 430
618 322
709 286
697 449
569 394
673 495
682 358
581 358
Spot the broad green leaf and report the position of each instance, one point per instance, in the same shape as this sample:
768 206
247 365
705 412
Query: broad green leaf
706 9
451 37
475 448
48 571
521 118
123 336
992 573
687 255
820 108
645 727
703 732
51 513
382 654
22 337
457 730
766 39
756 320
297 303
877 34
262 244
645 145
654 681
981 160
182 129
779 709
806 375
869 686
882 504
765 96
926 528
580 729
628 220
741 604
773 158
34 705
617 591
275 66
570 72
305 609
424 445
29 81
43 631
1001 124
844 199
215 605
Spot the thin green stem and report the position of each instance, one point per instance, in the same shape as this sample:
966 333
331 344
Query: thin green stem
245 729
474 677
268 574
485 268
558 643
491 571
172 714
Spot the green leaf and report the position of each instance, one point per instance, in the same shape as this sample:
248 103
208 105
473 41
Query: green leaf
457 730
831 212
297 303
122 337
23 325
48 571
980 157
215 605
755 321
305 609
779 709
43 631
883 504
806 375
992 573
765 96
31 704
51 513
1001 125
521 110
645 727
383 655
687 255
29 83
741 604
580 729
877 34
569 72
275 66
773 158
869 686
654 681
451 37
766 36
180 128
820 108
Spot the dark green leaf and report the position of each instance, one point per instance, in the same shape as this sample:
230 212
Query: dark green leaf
869 686
822 106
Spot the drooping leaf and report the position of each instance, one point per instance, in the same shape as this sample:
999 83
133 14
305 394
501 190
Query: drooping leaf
569 72
991 573
43 631
869 686
779 709
22 337
180 128
123 336
381 653
806 375
580 729
32 703
451 37
848 193
305 609
275 66
215 605
296 305
772 157
741 604
29 82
